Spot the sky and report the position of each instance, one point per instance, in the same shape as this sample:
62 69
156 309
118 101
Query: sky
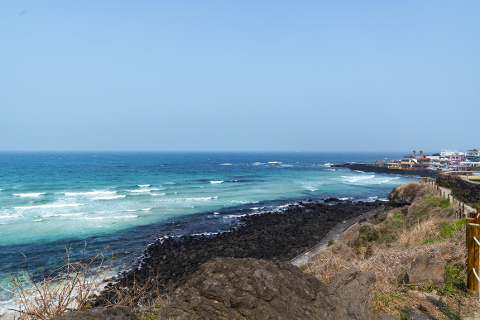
239 75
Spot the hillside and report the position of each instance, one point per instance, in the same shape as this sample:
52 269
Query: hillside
418 225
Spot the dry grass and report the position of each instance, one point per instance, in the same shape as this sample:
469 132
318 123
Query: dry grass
422 232
66 288
78 285
401 241
145 300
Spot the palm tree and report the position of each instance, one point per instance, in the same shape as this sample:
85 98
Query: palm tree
414 152
421 153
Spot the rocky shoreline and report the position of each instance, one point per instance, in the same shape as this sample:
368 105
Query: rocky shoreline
276 237
376 169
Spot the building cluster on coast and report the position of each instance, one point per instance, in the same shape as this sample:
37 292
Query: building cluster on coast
446 160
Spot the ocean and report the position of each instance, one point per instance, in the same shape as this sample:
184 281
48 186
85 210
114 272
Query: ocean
126 200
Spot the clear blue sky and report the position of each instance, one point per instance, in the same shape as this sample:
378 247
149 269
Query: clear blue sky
239 75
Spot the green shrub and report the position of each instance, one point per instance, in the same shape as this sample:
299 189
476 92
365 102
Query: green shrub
427 241
330 242
447 230
397 215
367 234
455 279
444 203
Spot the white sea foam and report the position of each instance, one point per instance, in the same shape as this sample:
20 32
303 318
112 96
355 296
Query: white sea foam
38 220
143 185
353 179
200 199
91 193
310 185
141 190
216 213
216 181
62 215
33 194
60 205
158 194
69 214
111 217
238 201
10 217
147 209
226 164
110 198
169 183
274 162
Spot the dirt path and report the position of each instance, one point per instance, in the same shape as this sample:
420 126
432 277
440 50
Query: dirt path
448 193
334 233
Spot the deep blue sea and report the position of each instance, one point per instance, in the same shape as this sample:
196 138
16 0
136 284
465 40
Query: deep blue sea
126 200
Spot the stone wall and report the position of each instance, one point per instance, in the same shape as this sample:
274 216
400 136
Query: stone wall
463 190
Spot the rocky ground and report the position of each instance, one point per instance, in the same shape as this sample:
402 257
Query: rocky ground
276 237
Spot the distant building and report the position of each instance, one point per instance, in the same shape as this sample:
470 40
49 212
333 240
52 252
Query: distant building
408 162
449 153
473 155
456 159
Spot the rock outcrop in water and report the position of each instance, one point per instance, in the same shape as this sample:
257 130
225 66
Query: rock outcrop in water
227 288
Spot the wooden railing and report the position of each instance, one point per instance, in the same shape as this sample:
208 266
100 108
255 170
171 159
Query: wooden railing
473 250
472 236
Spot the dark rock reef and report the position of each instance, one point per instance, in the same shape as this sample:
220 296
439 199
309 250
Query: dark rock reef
376 169
465 191
227 288
269 236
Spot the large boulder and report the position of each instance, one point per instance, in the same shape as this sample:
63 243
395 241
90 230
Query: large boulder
429 269
228 288
355 289
115 313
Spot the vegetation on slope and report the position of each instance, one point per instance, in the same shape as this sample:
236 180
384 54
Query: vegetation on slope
388 247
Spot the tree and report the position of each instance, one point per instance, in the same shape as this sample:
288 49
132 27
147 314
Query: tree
421 152
414 152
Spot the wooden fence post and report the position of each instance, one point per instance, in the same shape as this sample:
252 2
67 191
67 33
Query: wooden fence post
473 255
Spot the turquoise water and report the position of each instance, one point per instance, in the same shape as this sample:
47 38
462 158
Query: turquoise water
125 200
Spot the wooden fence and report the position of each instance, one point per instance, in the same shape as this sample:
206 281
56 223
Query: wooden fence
472 235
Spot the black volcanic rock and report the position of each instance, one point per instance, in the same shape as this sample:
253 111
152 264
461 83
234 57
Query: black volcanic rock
227 288
277 237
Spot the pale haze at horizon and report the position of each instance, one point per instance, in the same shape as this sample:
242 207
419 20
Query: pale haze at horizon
239 75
